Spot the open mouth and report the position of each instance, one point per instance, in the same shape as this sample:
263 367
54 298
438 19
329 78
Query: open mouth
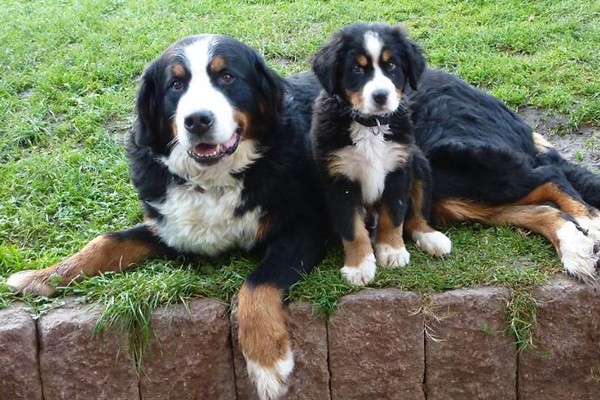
208 153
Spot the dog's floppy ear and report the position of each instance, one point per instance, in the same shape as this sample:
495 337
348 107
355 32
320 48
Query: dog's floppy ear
413 63
325 63
146 107
271 85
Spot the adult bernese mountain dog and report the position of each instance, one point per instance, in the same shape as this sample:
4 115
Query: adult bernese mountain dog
489 166
221 160
364 147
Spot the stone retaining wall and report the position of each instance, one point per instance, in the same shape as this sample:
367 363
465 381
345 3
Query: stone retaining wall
380 344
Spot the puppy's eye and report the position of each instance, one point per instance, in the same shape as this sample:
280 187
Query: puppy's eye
357 69
177 85
390 66
226 78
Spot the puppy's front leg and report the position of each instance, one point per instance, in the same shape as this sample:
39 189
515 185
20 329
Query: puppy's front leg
346 211
390 248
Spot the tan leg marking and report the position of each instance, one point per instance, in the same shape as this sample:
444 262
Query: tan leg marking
390 249
264 338
416 226
100 255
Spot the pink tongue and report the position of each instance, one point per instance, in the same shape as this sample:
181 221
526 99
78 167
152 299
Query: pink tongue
205 148
231 141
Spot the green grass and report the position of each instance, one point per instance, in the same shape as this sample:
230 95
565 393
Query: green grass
68 76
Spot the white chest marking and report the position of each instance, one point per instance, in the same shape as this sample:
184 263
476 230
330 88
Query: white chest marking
205 223
368 161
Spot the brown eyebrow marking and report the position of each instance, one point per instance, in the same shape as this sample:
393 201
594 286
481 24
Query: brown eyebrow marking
217 64
386 55
362 60
178 70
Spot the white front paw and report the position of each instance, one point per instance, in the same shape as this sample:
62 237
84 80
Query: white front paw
592 226
391 257
578 253
434 243
271 382
363 273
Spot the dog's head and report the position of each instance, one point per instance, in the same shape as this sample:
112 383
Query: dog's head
369 66
204 101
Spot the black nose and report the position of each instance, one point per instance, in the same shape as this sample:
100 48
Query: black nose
199 122
380 97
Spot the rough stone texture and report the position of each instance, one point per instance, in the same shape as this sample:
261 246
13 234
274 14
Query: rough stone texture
76 365
566 361
190 354
19 373
310 378
469 354
376 346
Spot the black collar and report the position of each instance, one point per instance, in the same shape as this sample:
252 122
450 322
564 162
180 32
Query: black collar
372 121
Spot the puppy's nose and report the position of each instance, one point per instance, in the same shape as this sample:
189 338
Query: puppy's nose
380 97
199 122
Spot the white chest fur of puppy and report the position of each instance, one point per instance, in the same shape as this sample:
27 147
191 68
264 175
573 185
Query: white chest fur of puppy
369 159
205 222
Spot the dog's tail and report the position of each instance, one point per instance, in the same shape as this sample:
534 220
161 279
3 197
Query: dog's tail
584 181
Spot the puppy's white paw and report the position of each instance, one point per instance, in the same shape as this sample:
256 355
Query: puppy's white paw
578 253
363 273
391 257
32 282
434 243
271 382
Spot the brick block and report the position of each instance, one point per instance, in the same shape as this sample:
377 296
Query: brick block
74 364
19 372
565 363
469 353
190 354
376 346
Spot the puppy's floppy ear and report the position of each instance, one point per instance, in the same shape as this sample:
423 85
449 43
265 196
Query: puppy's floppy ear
147 107
325 63
413 60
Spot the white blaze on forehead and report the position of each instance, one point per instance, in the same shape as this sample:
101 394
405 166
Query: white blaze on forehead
373 45
379 82
201 94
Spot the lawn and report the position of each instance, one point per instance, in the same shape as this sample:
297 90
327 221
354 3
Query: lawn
68 77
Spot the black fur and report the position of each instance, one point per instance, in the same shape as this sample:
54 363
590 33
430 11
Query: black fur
480 149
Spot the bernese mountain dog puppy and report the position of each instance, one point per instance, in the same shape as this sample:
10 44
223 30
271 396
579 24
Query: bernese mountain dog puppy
364 147
221 160
489 166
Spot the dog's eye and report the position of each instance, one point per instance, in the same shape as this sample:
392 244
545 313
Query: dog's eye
357 69
226 77
177 85
390 66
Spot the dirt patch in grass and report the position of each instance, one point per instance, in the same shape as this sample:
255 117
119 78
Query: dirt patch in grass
580 145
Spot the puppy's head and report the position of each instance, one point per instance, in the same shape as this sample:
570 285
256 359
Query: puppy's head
369 65
203 99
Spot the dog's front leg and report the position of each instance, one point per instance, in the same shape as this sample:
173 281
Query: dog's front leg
261 312
109 252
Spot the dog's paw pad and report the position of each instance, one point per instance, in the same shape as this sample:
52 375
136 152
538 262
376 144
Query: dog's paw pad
30 282
434 243
362 274
391 257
